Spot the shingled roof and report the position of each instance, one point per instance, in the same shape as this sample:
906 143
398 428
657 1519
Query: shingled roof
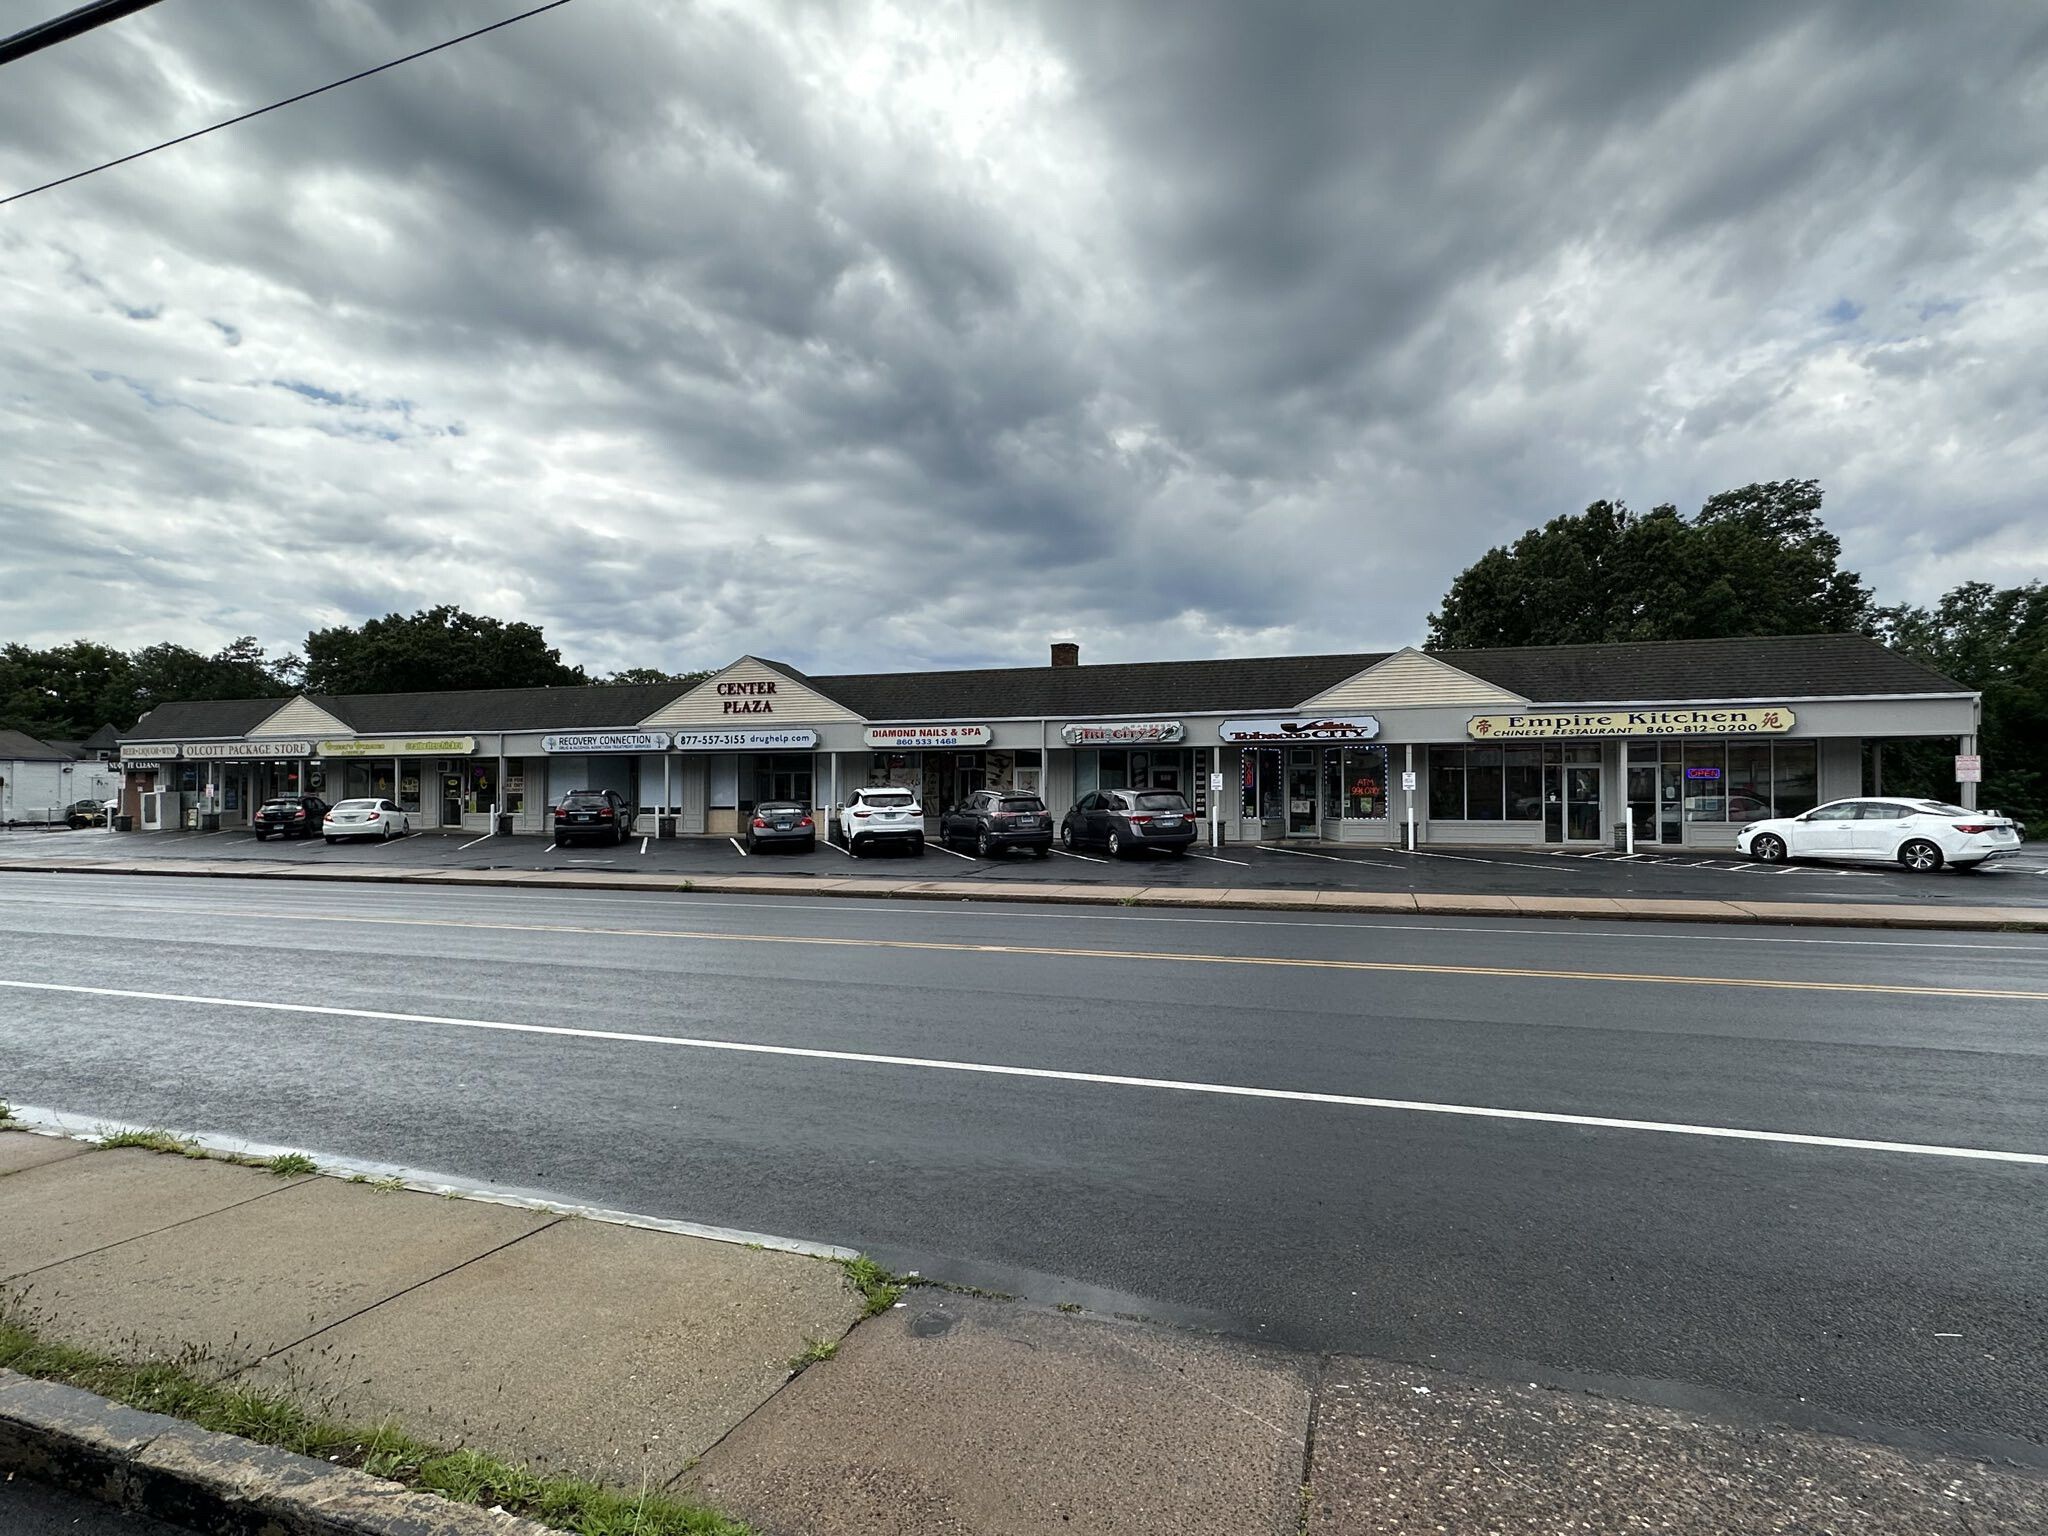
1760 667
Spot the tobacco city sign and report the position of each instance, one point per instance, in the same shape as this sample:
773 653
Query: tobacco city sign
1308 728
1769 720
1121 733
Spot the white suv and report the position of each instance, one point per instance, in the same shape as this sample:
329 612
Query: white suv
875 816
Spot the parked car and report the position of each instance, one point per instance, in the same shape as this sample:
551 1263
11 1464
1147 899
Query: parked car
289 816
1130 820
996 820
600 815
85 813
882 817
1922 835
780 824
365 818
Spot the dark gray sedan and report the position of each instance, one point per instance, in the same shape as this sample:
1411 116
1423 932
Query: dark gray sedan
781 824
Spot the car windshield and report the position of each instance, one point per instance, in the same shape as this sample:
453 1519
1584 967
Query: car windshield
886 797
1022 803
1942 808
1160 801
583 797
357 805
291 804
777 805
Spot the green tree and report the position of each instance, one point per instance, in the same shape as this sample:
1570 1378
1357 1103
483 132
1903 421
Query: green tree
651 675
1754 561
435 649
65 691
1994 640
238 670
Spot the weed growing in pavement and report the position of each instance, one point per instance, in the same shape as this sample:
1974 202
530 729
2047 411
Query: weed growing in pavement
359 1178
152 1141
1067 1306
813 1351
879 1289
1127 901
6 1112
388 1185
462 1476
291 1165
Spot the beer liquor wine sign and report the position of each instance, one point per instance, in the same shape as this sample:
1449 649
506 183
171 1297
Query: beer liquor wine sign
915 737
1760 720
1305 728
1121 733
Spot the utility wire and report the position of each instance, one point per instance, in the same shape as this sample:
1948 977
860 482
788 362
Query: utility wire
61 29
363 74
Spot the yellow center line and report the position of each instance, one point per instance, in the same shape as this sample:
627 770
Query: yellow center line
1189 957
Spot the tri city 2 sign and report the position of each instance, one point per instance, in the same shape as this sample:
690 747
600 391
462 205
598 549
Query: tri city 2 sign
1761 720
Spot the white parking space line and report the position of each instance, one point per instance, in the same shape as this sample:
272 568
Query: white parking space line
837 849
1210 858
1303 853
1084 858
484 839
937 847
643 845
1052 1074
1462 858
736 846
549 849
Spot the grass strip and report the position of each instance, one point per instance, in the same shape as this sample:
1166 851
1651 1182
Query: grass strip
879 1290
462 1476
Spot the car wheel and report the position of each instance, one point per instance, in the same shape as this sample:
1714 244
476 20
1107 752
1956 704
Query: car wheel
330 842
1043 853
1767 848
1178 853
1067 835
1116 845
262 837
917 847
811 843
983 846
1920 856
855 847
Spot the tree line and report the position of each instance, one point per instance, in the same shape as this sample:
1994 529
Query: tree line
1759 561
66 692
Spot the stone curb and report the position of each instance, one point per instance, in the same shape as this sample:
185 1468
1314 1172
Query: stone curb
70 1439
1237 898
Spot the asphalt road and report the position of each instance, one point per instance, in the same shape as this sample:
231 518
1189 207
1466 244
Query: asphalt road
30 1509
1116 1161
1652 874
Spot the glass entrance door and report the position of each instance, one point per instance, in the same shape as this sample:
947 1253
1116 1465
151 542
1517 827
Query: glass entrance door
1302 790
1571 795
451 799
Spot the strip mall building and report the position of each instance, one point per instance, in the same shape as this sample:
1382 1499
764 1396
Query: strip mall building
1683 741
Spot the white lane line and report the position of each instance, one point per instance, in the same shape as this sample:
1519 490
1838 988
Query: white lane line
484 839
736 846
1084 858
1210 858
1333 858
643 845
549 849
1425 853
1056 1075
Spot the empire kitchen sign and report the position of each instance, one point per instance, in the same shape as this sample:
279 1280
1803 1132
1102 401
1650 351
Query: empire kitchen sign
1772 720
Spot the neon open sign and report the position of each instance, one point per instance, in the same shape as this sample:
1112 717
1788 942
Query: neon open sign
1703 773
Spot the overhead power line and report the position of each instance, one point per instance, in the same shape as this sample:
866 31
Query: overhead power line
361 74
59 29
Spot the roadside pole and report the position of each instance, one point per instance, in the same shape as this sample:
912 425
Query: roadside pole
1408 790
1215 798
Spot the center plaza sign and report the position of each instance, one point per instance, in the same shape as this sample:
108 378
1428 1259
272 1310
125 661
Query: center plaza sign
1307 728
1762 720
1121 733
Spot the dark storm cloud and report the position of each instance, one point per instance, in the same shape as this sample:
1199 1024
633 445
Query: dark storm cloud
862 336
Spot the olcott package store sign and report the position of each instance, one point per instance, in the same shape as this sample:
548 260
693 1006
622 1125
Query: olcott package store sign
1771 721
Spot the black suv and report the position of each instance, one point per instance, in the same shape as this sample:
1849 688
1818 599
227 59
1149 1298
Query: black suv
996 819
1128 820
289 816
600 814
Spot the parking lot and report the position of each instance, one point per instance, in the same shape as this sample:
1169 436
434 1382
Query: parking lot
1674 873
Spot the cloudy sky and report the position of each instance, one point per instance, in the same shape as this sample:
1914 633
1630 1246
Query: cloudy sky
871 335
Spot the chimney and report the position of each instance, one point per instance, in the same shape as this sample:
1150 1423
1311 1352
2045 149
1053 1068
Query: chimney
1066 653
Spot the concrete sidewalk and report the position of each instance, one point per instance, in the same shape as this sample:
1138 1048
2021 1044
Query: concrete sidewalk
644 1358
2009 919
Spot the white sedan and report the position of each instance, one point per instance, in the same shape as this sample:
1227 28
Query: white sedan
364 818
1922 835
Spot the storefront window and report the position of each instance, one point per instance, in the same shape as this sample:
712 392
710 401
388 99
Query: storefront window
1362 781
1263 794
1524 783
1794 782
1248 773
1748 783
1113 769
409 787
783 776
1706 776
515 785
481 790
725 781
894 770
1447 783
1485 784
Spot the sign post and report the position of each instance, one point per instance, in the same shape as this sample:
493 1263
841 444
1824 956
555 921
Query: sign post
1408 791
1216 809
